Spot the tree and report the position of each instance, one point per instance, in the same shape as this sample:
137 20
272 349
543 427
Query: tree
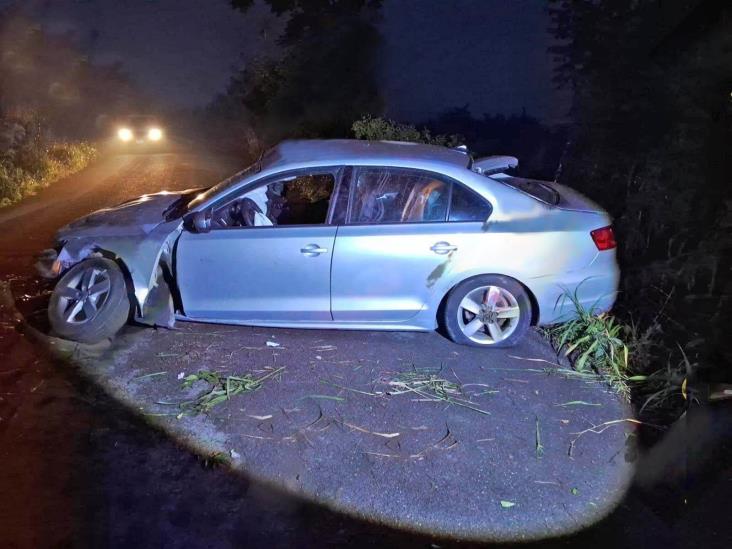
325 77
651 117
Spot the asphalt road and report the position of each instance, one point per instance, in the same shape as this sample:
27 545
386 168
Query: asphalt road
83 469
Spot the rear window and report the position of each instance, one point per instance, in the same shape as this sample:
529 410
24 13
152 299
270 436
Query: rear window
538 189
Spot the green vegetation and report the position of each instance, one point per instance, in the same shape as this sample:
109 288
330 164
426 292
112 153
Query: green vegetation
595 342
28 162
378 128
649 140
221 389
626 359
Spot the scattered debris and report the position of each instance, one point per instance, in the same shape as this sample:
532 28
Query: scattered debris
217 459
447 442
427 383
539 445
507 504
362 430
577 403
272 344
234 454
155 374
260 418
222 389
574 491
375 394
326 397
181 375
325 348
602 427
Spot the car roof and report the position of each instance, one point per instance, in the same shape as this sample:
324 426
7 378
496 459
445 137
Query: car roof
356 151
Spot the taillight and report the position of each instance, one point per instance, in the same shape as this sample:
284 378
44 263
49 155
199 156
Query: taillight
604 238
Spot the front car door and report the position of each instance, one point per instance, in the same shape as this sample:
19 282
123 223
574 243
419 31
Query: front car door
267 256
404 227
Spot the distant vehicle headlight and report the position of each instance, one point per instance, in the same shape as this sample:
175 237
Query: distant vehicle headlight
154 134
125 134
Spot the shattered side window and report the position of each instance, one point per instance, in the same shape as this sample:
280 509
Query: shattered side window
398 196
293 200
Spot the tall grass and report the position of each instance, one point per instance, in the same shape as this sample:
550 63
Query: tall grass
627 358
24 175
595 342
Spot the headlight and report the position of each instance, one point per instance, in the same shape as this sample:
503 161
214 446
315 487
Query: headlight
125 134
154 134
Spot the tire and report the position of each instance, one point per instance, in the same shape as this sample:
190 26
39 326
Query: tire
89 302
487 311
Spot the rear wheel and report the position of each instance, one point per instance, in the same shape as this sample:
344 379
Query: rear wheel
487 311
89 303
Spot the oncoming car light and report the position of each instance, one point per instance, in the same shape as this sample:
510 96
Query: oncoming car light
154 134
125 134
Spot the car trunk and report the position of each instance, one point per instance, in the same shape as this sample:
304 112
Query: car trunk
554 194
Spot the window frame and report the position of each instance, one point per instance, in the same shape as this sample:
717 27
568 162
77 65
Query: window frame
336 171
450 181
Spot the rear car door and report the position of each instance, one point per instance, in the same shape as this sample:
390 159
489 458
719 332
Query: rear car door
267 257
396 241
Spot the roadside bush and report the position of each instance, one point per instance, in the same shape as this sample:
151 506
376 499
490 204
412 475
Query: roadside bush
378 129
29 164
595 342
627 359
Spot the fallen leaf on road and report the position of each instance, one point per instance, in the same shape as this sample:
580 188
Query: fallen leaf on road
507 504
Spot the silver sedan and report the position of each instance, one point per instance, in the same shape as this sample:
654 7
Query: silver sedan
342 234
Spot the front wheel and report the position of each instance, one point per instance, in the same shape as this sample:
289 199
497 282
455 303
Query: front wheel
487 311
89 302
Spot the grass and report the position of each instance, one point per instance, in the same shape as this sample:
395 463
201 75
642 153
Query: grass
595 342
623 355
430 386
20 177
222 388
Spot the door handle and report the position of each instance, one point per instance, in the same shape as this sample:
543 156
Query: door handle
443 248
313 250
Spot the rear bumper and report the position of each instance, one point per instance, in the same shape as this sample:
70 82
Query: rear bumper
595 289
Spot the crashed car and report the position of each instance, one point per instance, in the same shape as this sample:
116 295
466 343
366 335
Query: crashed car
342 234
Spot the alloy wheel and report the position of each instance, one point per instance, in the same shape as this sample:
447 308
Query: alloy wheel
488 314
83 295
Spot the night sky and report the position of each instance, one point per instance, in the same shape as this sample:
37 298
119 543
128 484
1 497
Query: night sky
489 54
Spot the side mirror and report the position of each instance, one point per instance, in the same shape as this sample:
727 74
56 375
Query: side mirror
199 222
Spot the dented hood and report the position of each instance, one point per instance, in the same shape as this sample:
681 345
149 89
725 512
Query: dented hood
134 217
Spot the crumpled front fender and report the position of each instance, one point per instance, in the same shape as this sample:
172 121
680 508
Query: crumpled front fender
139 254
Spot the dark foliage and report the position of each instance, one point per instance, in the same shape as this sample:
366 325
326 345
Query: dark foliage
323 81
650 141
537 146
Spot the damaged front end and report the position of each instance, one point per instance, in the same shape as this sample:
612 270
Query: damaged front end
139 236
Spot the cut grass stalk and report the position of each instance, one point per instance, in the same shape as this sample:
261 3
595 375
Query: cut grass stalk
427 384
222 388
